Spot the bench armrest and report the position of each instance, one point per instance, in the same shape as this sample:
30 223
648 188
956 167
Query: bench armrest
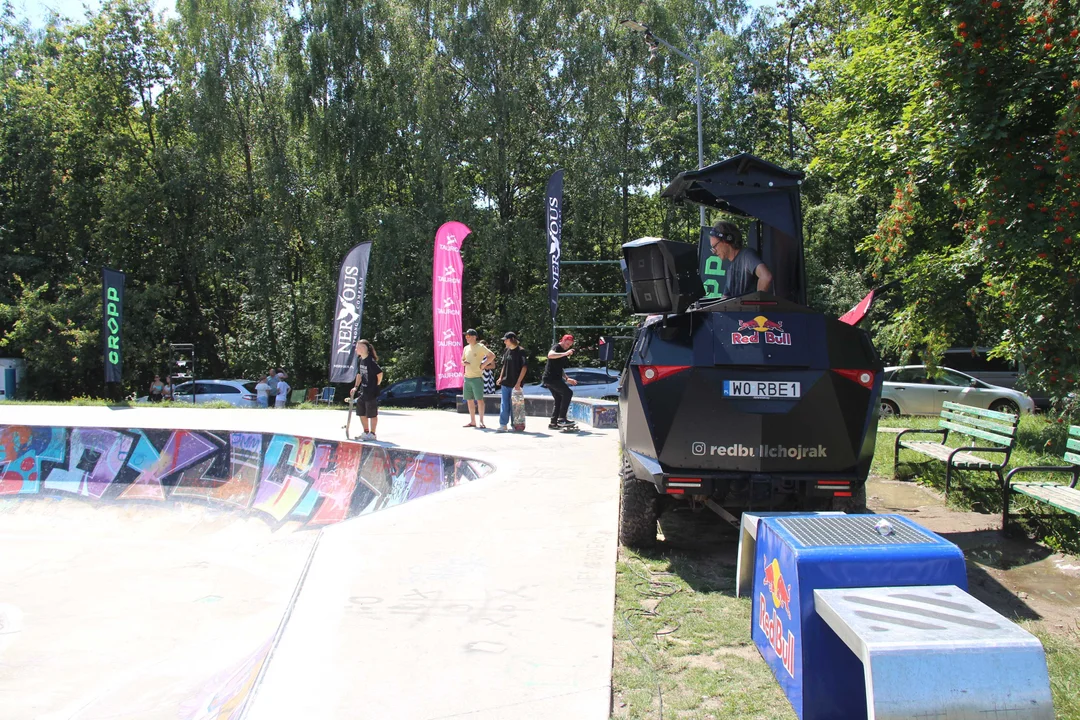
1006 450
943 433
1073 470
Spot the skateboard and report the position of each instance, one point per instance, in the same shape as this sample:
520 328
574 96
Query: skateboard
517 408
348 418
572 427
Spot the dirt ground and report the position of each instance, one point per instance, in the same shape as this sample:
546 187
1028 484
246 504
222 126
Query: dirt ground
1017 577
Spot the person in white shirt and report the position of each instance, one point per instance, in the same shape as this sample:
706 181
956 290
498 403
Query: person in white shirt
282 390
262 390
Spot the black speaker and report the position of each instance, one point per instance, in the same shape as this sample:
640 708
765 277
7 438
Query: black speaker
663 275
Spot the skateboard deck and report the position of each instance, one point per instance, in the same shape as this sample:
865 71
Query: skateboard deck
348 418
517 408
569 428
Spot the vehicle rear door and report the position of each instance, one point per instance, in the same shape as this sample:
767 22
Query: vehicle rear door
948 386
912 392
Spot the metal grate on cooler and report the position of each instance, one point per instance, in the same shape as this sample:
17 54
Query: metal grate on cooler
850 530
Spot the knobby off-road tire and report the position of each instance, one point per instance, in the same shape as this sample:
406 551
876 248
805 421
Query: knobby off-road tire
637 510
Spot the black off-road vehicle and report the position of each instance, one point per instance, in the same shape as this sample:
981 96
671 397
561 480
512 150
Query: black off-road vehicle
754 402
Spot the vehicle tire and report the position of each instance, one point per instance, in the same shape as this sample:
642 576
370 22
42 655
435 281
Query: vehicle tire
637 510
1005 406
854 505
889 409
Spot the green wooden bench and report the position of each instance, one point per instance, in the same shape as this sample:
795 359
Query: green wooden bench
1063 497
997 430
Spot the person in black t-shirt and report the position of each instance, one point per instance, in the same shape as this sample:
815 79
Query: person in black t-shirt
515 365
368 378
557 382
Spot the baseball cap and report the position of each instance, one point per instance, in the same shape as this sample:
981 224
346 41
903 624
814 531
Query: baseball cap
510 336
566 337
470 331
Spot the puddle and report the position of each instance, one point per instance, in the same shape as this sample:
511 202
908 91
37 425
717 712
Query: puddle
897 495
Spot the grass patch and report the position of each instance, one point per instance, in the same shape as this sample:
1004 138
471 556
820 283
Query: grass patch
1063 662
681 635
1040 441
683 639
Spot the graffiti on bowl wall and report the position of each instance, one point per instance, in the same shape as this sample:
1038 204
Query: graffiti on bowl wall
282 478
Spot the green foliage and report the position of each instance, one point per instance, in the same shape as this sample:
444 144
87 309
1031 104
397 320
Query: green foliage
958 121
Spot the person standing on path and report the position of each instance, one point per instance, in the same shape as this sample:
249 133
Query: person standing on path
557 382
366 389
283 389
157 388
262 390
515 364
271 388
476 358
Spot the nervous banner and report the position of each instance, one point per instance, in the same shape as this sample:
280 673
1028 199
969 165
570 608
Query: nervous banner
348 313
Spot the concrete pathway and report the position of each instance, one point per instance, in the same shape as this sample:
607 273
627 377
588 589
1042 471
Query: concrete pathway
490 600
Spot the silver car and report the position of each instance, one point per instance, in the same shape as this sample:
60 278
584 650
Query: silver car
591 383
241 393
909 390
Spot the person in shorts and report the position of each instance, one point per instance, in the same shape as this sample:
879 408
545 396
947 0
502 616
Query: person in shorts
476 358
366 389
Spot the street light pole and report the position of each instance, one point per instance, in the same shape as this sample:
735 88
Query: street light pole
653 41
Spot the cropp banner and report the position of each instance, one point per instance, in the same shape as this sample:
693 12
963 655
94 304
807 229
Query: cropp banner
348 313
112 320
553 220
446 305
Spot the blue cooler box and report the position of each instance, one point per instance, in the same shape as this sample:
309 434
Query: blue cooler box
797 554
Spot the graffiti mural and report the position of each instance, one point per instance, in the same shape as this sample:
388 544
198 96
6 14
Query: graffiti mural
281 478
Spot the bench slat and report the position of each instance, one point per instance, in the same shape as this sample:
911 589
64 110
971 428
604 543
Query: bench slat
1060 496
941 452
1072 458
975 432
997 427
1073 444
1007 417
1074 430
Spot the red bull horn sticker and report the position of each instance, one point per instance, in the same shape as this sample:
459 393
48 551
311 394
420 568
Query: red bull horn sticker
769 619
750 331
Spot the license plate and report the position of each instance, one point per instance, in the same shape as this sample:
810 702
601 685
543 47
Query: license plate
762 389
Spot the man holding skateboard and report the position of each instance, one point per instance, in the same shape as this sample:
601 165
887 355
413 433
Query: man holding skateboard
514 366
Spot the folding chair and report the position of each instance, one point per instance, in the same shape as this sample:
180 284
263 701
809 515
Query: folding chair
327 395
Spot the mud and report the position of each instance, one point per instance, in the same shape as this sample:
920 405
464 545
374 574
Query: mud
1017 577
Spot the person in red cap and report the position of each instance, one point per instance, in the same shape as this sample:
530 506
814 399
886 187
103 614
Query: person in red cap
557 382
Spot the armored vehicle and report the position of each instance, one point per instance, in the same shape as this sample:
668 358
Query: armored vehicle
751 402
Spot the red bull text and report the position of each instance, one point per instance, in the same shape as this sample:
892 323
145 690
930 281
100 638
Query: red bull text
773 627
750 330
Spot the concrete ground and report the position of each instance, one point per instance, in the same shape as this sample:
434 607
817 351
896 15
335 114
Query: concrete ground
490 600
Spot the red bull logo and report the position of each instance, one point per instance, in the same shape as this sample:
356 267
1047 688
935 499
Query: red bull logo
749 332
772 625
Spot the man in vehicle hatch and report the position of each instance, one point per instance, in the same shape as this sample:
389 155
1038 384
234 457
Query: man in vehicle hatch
746 271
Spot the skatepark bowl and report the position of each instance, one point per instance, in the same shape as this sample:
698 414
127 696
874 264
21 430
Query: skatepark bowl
149 573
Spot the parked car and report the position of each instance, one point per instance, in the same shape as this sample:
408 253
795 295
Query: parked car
418 392
591 383
240 393
977 363
909 390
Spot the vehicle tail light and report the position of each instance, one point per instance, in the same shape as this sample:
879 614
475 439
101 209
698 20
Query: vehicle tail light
250 397
675 491
679 482
652 373
846 493
863 377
